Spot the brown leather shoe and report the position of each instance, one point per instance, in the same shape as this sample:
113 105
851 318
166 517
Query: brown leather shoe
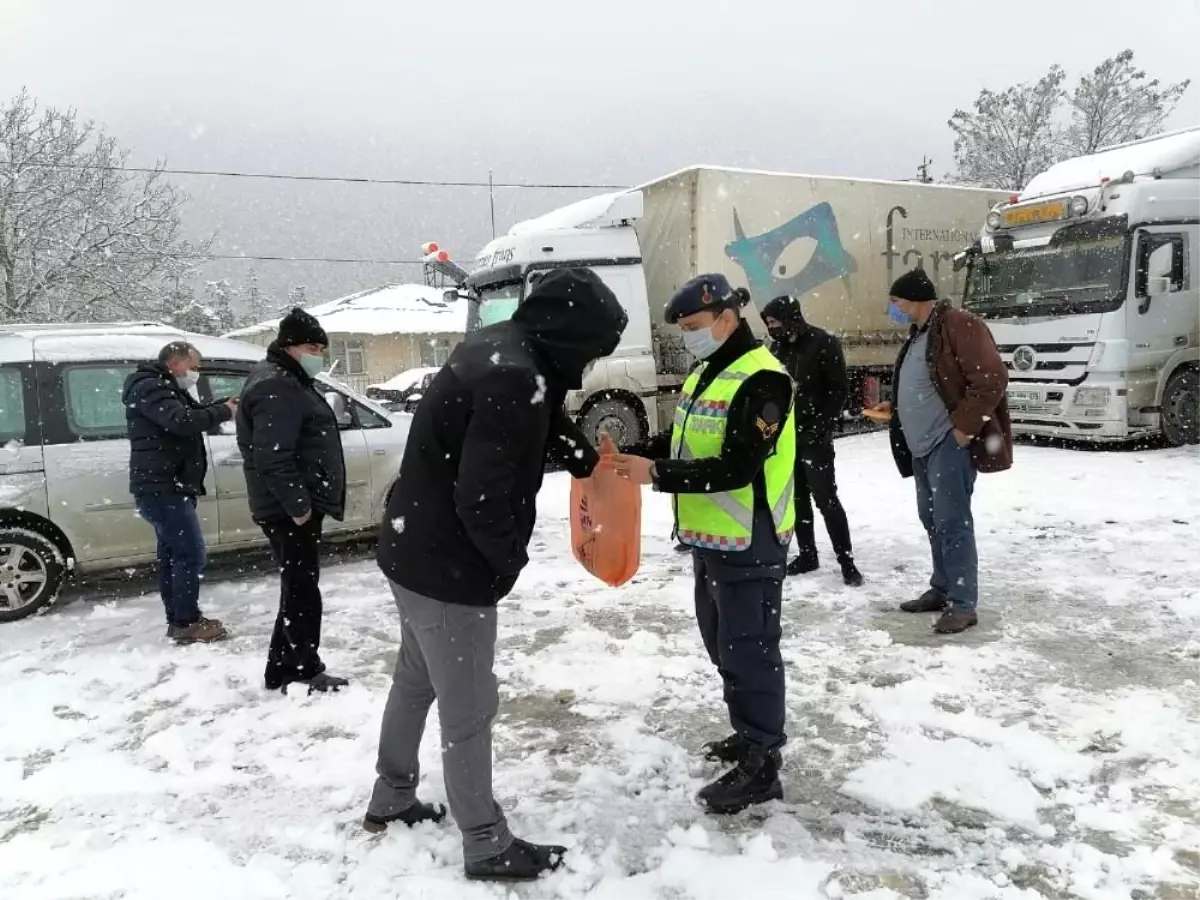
202 631
930 601
955 621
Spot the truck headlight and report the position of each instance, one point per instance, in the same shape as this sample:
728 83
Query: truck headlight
1092 396
1079 205
993 220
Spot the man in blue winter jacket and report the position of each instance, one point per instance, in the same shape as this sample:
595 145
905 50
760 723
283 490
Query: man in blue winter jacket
167 465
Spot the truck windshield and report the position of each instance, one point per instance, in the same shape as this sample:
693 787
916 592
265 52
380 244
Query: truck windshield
493 303
1078 277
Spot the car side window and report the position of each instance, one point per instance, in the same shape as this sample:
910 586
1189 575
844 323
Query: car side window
12 405
94 406
223 385
368 418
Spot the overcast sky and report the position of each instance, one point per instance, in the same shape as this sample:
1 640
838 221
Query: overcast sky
613 92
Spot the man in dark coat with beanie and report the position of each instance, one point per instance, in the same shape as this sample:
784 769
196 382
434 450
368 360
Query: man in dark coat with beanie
453 543
814 359
295 476
949 421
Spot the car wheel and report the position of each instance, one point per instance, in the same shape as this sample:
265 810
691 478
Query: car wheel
1181 408
31 572
617 417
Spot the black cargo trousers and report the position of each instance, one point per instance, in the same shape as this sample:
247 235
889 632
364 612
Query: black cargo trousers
739 599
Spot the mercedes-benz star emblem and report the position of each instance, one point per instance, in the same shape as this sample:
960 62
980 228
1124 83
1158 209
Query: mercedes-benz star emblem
1024 358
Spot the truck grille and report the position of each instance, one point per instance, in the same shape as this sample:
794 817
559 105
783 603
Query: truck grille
1046 362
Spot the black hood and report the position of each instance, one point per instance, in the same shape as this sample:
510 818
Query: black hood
791 317
571 318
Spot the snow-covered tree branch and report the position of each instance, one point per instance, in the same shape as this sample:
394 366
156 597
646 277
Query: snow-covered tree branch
80 239
1009 136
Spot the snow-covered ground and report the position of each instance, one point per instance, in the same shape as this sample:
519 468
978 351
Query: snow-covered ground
1051 752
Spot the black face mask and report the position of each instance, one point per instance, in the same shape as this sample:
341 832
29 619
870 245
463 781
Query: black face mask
777 334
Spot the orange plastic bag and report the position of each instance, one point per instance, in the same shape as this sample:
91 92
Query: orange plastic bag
606 525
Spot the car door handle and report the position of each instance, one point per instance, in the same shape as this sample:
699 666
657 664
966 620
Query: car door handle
230 461
379 453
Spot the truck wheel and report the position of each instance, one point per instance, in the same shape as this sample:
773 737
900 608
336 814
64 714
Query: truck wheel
1181 408
31 572
616 417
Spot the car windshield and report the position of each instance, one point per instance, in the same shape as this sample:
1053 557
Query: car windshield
370 404
493 303
1083 276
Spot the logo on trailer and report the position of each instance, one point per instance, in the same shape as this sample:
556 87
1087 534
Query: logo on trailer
1024 359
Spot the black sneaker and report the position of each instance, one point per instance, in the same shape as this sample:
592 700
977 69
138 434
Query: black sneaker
803 564
321 683
752 781
931 601
733 749
416 814
522 861
850 574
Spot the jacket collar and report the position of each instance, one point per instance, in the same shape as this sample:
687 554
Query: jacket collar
285 361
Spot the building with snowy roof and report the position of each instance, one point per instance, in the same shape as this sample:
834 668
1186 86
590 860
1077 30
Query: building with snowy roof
375 334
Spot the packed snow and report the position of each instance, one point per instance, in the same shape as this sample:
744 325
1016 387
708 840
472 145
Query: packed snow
391 309
1049 753
1165 153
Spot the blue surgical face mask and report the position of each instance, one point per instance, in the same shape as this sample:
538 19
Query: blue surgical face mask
701 344
898 316
312 363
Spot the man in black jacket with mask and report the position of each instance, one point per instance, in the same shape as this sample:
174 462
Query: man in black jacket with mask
453 543
295 476
813 357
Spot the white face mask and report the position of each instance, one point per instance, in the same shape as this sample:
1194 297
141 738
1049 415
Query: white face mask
188 379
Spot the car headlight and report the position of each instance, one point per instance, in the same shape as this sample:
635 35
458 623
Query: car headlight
1092 396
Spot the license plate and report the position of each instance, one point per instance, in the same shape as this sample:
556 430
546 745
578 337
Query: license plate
1035 213
1024 395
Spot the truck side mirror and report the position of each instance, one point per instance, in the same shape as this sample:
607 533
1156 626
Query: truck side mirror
1156 287
450 296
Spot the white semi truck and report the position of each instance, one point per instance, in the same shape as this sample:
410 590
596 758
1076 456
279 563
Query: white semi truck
1088 281
837 243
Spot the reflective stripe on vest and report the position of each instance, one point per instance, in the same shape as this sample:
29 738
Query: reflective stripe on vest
725 521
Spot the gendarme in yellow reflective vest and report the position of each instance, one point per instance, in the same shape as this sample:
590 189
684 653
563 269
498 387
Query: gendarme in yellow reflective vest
725 521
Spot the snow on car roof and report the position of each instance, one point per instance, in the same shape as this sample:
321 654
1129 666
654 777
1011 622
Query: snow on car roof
122 340
391 309
407 378
1165 153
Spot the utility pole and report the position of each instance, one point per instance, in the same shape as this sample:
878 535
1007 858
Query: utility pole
923 170
492 203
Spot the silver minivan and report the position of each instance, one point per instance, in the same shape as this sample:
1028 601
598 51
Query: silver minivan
64 457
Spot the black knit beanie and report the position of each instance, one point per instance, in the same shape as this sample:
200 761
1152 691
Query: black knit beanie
914 286
299 327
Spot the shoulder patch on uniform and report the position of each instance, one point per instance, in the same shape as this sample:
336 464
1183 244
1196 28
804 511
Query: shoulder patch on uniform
767 422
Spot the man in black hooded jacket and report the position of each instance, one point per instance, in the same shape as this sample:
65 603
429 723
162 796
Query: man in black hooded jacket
813 357
453 542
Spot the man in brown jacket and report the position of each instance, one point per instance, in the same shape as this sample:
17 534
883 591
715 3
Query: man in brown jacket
949 421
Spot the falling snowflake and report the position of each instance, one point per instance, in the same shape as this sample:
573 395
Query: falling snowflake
398 524
539 395
495 359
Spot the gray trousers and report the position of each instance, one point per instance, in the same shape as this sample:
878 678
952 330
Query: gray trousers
446 653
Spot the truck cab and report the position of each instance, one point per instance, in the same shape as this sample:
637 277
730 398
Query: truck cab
619 394
1088 281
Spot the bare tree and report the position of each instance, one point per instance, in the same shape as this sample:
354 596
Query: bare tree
1008 136
1115 104
81 239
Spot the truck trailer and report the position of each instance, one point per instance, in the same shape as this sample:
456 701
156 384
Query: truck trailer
1088 282
836 243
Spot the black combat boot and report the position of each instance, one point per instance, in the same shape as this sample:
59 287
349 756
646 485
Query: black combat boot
416 814
754 780
522 861
732 750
